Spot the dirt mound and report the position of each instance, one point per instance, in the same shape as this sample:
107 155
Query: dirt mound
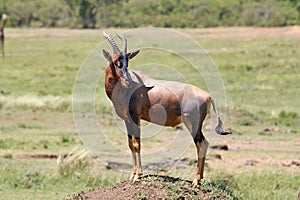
153 187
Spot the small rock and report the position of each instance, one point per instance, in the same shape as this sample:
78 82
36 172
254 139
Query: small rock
220 147
250 162
296 163
216 156
286 164
289 131
266 131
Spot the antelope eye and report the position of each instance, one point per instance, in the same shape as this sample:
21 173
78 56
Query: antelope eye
119 65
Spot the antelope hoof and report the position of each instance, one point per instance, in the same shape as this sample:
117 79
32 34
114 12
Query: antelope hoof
131 179
134 178
137 178
196 183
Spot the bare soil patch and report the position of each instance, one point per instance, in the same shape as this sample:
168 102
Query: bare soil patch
38 156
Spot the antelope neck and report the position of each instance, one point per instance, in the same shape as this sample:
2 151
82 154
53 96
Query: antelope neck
110 82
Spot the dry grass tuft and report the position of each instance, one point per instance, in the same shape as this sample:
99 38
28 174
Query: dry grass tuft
74 162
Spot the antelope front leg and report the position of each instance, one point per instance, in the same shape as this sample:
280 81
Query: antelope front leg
130 144
2 47
137 149
134 142
201 152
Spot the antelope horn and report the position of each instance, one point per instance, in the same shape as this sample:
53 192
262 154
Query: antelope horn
112 43
124 42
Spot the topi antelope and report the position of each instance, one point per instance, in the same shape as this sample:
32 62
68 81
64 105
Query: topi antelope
3 22
137 97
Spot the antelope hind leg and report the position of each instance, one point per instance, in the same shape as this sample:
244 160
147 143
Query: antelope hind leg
201 152
201 143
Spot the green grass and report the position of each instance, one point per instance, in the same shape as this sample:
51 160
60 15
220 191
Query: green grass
261 75
222 185
30 179
269 186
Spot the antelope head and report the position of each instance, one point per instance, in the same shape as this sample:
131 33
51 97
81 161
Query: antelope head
118 60
4 17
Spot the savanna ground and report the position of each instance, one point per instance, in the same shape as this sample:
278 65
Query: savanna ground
42 156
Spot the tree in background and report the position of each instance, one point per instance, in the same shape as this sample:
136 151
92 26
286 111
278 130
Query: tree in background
162 13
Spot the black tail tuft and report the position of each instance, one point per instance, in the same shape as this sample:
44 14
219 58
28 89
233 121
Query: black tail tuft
219 128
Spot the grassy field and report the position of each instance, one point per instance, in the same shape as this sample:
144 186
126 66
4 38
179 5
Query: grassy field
261 72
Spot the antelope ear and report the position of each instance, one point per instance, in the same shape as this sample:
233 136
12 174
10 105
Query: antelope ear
107 56
132 54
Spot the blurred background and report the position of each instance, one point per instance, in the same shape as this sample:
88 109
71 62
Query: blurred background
137 13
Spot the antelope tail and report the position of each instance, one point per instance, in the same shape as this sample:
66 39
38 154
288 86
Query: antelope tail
219 128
